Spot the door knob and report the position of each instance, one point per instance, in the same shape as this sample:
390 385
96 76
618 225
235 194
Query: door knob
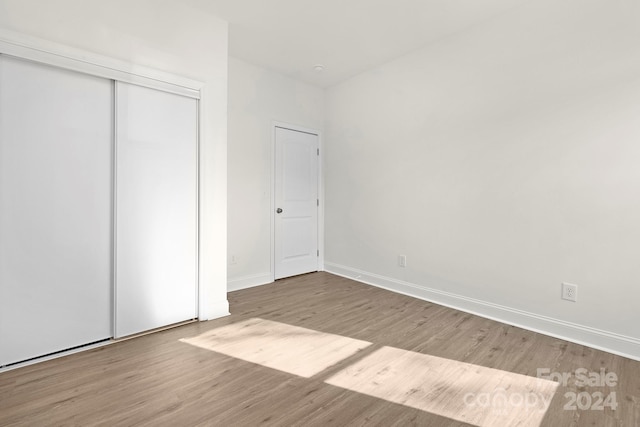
278 210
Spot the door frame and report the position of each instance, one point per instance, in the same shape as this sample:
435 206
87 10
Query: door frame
272 216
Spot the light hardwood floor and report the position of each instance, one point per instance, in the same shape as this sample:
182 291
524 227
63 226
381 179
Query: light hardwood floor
161 379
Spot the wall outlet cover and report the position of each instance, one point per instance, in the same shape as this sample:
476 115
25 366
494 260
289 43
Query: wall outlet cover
569 292
402 260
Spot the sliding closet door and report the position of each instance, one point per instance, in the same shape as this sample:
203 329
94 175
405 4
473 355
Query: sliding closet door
156 209
55 209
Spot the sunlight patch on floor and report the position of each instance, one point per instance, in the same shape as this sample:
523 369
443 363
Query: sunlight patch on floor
456 390
292 349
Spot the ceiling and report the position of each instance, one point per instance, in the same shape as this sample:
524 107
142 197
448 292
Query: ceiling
346 36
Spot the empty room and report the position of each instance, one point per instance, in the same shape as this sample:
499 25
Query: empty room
295 213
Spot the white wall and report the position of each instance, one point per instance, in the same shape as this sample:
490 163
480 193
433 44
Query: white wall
502 161
165 35
257 98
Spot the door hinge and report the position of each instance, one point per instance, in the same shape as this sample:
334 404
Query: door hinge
318 252
317 202
318 151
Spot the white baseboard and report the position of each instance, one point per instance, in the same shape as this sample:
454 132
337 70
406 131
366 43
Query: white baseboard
602 340
249 281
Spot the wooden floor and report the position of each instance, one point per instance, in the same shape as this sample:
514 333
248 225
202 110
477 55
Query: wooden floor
159 380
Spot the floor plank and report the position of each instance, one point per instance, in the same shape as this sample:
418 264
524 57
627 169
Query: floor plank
159 380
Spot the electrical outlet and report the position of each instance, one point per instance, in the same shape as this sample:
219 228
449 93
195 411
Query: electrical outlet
570 292
402 260
232 260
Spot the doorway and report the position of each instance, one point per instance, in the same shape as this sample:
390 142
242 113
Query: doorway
296 202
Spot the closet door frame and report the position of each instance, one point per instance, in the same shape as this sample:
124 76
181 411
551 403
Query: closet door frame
58 55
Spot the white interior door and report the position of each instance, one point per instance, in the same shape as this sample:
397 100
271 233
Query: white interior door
296 203
156 209
55 209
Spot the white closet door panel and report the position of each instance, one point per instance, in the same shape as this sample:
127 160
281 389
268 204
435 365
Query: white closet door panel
55 209
156 208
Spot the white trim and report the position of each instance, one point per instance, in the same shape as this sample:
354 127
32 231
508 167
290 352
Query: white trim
249 281
217 309
114 205
602 340
276 124
272 203
322 198
47 52
197 179
203 308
